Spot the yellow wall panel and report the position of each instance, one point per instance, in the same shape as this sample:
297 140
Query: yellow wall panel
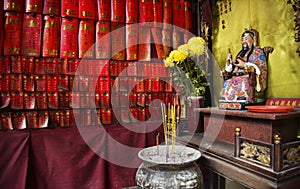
274 20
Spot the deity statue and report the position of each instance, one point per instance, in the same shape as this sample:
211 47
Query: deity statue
245 76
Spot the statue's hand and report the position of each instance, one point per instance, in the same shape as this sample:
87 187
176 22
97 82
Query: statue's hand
240 63
229 59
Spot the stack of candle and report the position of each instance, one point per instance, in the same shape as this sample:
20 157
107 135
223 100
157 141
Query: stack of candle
170 118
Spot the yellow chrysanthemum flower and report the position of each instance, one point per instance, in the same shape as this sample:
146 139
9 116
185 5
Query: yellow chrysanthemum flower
168 62
196 41
171 55
196 46
196 50
179 56
193 41
202 41
184 49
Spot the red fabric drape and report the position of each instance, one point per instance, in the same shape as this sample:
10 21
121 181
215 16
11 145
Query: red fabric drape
14 148
119 178
62 157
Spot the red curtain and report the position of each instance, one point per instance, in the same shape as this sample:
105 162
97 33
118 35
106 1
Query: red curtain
62 157
14 147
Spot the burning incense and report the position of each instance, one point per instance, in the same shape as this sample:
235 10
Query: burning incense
157 143
173 128
165 126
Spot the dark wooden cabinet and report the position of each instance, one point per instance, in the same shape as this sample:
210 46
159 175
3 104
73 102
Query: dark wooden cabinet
271 159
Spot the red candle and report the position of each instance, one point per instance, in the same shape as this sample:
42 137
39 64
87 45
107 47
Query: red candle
118 41
146 11
73 65
106 116
52 83
52 7
40 82
69 8
41 100
4 62
43 118
188 15
53 102
74 99
64 99
39 66
19 120
104 66
65 118
103 40
87 9
104 10
157 36
6 121
62 66
133 99
132 69
105 100
51 65
131 11
63 83
13 33
13 5
118 11
144 44
132 33
178 13
31 35
16 82
28 82
29 100
69 38
168 13
148 99
34 6
86 39
51 36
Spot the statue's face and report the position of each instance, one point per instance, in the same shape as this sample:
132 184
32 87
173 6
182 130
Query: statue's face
247 41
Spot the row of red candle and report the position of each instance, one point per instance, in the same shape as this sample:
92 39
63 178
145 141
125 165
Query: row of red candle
76 117
58 100
129 11
47 36
88 67
55 118
54 83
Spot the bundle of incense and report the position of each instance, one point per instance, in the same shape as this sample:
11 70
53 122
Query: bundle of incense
157 143
165 126
178 115
173 127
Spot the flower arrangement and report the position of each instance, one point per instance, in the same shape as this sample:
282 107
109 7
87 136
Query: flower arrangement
186 67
